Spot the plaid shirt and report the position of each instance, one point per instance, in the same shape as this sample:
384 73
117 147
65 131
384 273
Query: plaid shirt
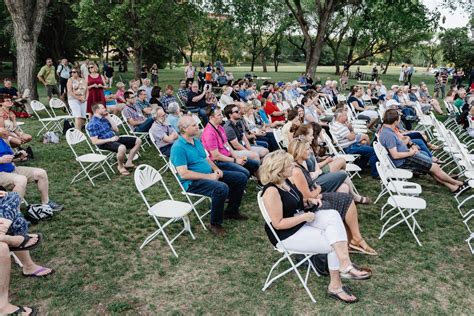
133 112
142 104
166 100
100 128
183 94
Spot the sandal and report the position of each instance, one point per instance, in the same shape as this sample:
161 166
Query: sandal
362 247
21 310
130 167
462 187
344 289
23 247
364 200
348 273
37 274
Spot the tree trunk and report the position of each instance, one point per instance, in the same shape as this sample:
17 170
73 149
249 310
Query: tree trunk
351 48
390 56
138 50
263 61
252 65
27 17
107 51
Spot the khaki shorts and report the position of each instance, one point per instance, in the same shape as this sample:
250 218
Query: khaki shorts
8 178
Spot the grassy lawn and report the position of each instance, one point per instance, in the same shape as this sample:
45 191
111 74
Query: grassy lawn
94 246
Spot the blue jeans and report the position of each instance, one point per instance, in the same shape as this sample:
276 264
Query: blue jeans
261 143
201 113
166 150
270 139
418 140
231 185
145 126
247 169
367 155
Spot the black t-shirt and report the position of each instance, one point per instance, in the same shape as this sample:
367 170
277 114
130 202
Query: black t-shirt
109 72
353 98
12 91
234 95
201 76
193 105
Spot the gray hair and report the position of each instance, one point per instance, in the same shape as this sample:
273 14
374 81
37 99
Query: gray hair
173 108
184 122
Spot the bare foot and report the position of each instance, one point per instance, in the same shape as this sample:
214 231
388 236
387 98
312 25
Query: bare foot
10 309
15 241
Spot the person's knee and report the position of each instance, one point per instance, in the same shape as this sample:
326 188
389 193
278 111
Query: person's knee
138 141
221 189
263 152
40 174
122 149
20 181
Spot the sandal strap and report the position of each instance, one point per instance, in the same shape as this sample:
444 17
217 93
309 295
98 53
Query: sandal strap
337 291
347 269
26 238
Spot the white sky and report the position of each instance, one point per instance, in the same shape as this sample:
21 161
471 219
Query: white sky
453 19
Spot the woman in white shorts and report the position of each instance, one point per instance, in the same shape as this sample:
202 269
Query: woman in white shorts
76 97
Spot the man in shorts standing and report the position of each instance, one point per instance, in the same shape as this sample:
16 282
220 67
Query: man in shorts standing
102 131
47 76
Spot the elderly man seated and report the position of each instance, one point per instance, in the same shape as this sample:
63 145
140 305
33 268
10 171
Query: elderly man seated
16 178
16 136
163 133
198 174
102 130
353 143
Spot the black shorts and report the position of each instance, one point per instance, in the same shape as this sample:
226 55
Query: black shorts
128 141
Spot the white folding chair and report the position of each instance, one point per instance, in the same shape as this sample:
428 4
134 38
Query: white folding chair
277 135
165 159
404 208
200 198
129 130
146 176
286 254
58 104
49 122
90 161
110 161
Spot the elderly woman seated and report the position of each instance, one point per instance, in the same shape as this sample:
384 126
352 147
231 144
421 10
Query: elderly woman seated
16 136
307 225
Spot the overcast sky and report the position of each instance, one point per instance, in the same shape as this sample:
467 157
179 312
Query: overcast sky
453 19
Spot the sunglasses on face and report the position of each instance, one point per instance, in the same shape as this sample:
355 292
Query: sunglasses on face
236 111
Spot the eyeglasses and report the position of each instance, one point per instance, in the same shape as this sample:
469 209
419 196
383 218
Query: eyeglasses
74 72
235 111
91 67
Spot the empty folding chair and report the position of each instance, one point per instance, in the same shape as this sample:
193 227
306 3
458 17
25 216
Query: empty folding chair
50 123
200 198
58 104
146 176
403 207
286 256
90 161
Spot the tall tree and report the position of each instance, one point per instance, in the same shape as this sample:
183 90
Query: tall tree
457 47
324 9
27 17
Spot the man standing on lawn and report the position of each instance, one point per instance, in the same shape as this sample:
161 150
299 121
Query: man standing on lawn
198 174
47 76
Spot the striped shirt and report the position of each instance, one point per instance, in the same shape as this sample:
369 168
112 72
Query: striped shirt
340 131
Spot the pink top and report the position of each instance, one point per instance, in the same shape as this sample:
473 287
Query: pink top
214 138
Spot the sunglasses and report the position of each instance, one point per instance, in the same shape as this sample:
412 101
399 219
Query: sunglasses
91 67
235 111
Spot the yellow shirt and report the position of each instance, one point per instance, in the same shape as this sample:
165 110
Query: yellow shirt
49 74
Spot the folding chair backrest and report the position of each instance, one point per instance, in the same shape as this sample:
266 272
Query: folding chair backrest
197 120
146 176
56 103
118 121
277 135
176 176
382 174
267 219
74 137
37 106
330 145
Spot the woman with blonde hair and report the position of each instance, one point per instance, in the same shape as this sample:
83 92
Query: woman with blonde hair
341 201
303 225
76 98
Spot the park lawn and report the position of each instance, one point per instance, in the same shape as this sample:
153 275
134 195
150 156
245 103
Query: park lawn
94 246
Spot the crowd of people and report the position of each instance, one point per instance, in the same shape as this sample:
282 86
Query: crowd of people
222 135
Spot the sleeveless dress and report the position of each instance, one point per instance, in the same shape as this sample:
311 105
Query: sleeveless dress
338 201
96 95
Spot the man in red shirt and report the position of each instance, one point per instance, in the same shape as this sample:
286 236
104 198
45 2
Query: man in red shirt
272 109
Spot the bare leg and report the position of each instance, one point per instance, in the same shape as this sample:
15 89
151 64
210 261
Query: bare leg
444 178
337 164
41 178
121 158
133 152
335 284
19 185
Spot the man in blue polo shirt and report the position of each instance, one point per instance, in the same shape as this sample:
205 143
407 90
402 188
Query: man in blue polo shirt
200 175
102 131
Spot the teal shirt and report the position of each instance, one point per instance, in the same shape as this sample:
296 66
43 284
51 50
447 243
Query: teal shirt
192 156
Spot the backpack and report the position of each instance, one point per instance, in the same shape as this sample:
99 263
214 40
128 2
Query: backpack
37 212
66 126
50 138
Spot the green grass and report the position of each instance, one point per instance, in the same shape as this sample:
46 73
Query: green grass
93 245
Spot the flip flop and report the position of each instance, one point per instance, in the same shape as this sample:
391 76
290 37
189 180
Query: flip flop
358 248
347 274
22 246
335 294
21 309
364 200
37 274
